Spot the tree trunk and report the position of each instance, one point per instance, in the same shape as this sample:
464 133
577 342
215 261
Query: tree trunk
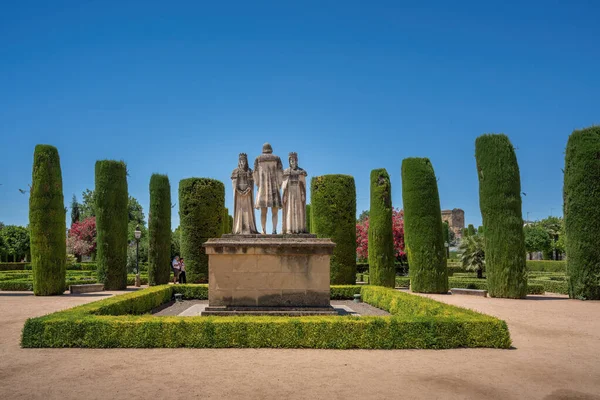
479 274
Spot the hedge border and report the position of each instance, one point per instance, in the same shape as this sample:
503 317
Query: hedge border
117 322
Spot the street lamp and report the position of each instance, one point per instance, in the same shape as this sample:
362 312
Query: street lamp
447 246
138 235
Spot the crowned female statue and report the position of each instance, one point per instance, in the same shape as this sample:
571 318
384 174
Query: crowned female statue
294 197
243 198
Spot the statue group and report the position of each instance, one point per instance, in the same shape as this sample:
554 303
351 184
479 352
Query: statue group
271 180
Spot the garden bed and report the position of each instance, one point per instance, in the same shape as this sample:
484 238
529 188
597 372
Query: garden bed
125 321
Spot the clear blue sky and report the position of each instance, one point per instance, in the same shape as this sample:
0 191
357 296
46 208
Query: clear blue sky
182 87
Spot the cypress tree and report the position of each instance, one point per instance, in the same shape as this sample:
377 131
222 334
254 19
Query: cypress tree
423 227
582 213
225 222
308 224
159 231
201 204
446 231
333 213
500 204
112 217
471 230
381 234
47 223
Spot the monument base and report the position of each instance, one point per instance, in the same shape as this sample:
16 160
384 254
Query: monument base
275 271
272 311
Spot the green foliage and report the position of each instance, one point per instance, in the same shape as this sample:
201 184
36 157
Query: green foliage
471 230
482 284
546 265
500 204
344 292
111 223
175 242
47 223
582 213
75 213
225 222
159 230
14 266
121 321
16 241
381 235
87 208
308 219
201 201
423 227
333 213
536 238
472 255
446 231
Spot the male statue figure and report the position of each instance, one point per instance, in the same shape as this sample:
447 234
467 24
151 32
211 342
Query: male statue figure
268 176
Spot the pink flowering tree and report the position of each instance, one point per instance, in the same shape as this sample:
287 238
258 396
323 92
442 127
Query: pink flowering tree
362 236
82 238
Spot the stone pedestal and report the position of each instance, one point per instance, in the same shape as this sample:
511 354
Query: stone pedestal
276 272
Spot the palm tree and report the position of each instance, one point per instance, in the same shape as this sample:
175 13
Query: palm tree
472 254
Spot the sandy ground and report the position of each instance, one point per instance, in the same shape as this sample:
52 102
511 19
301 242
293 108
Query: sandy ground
556 356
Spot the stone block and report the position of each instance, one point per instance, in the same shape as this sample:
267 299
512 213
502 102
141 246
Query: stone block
89 288
471 292
244 298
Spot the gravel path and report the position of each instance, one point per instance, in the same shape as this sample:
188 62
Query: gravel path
556 345
174 308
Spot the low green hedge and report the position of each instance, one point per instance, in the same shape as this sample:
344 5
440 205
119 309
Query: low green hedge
547 266
14 266
416 322
481 284
552 286
401 281
22 281
344 292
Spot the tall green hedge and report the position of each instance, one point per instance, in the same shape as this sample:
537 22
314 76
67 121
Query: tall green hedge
423 227
225 221
111 223
159 230
381 235
471 230
47 223
446 231
333 213
308 220
582 213
500 204
201 204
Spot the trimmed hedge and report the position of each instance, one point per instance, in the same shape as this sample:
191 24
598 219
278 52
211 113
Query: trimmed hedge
308 220
47 223
381 234
547 265
112 218
159 230
344 292
333 213
500 204
416 322
482 284
201 201
582 213
14 266
423 227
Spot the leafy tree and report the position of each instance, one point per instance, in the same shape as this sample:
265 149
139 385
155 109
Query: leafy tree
175 243
87 208
364 215
446 231
82 238
472 254
555 228
16 241
471 230
75 213
536 239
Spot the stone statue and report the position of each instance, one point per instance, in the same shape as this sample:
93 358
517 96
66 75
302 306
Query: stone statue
243 198
294 197
268 175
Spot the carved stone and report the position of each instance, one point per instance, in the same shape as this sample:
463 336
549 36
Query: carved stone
268 176
243 198
294 197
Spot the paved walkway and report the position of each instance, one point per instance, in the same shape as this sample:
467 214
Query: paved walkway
556 356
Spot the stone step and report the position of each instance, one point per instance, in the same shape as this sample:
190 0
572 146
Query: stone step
273 311
471 292
87 288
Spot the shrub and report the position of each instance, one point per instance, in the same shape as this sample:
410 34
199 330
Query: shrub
423 227
344 292
13 266
308 226
416 322
47 223
545 265
111 223
201 201
582 213
381 235
500 203
333 211
159 230
402 281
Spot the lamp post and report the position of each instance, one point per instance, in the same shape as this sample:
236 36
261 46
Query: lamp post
138 235
447 246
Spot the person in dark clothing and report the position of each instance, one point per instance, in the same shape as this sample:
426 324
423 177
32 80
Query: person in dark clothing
182 278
